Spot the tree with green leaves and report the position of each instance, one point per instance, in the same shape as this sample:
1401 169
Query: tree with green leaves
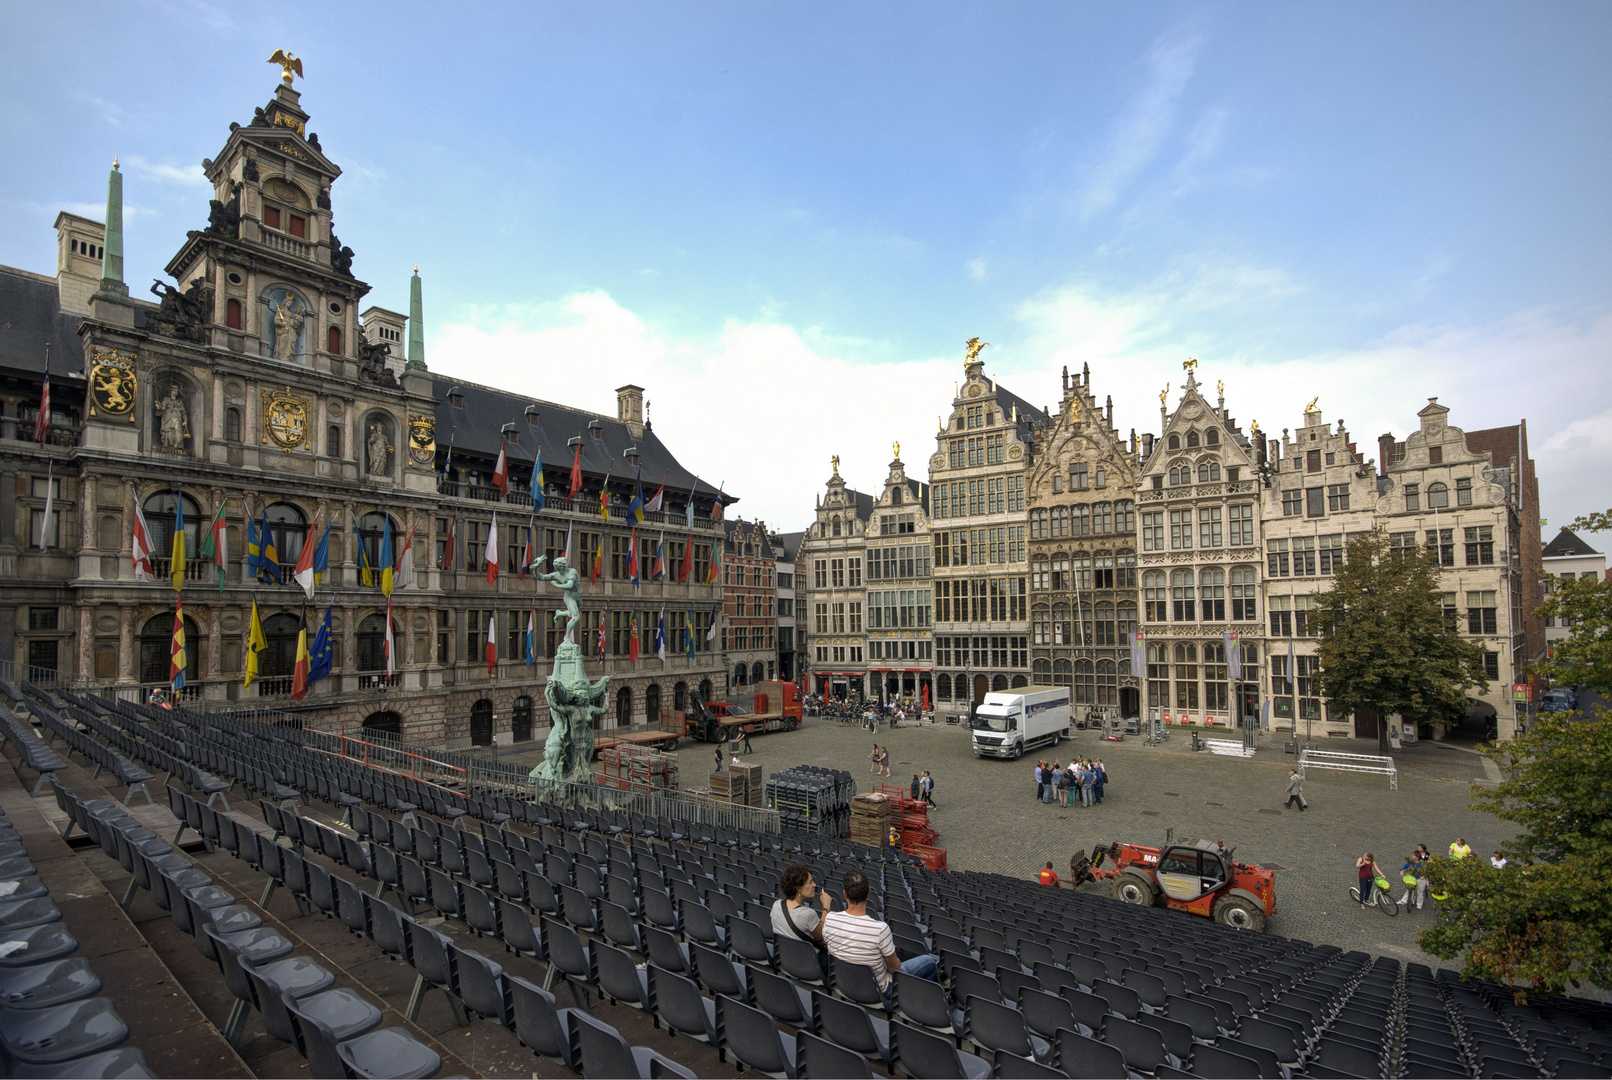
1546 918
1386 645
1583 658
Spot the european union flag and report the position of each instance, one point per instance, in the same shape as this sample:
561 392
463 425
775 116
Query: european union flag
319 664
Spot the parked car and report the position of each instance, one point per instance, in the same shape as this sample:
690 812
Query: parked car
1556 701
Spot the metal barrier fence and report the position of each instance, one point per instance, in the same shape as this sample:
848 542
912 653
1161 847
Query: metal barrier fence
678 806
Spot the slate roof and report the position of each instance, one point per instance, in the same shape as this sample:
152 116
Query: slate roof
30 315
1568 542
474 428
788 545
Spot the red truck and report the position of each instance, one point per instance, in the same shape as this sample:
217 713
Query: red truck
1199 878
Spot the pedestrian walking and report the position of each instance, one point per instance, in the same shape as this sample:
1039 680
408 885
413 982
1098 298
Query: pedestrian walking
1414 875
916 787
1295 791
1366 870
746 733
926 788
873 760
884 760
718 766
1459 849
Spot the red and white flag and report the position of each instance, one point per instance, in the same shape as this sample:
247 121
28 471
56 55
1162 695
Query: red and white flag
492 644
501 472
604 618
391 645
490 555
141 543
653 505
42 422
304 568
404 573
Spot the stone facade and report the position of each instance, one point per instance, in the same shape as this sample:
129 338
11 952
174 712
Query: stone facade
750 598
832 592
1084 597
786 546
900 602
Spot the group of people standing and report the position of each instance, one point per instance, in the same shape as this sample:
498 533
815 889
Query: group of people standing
1078 783
1413 873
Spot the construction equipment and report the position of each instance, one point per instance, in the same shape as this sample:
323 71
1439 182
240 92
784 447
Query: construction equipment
1200 878
775 708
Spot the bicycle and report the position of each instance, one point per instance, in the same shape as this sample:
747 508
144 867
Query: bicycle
1381 896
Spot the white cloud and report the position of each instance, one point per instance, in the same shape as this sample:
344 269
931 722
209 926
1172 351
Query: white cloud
162 172
976 269
1141 129
760 407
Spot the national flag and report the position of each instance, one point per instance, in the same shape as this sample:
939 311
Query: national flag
255 643
366 569
403 575
660 637
710 635
299 670
321 556
322 660
140 545
178 661
598 557
501 472
388 570
303 574
447 549
1234 655
492 644
567 552
215 545
688 560
177 566
716 507
490 553
715 573
632 560
576 472
688 633
1292 667
50 501
531 635
42 421
688 510
600 636
447 464
657 569
632 642
654 505
391 641
637 506
262 560
604 497
526 554
539 500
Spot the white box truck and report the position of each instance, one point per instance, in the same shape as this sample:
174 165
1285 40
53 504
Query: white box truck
1008 723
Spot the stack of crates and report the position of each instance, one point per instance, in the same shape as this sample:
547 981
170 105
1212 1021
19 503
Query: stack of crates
752 782
812 799
636 768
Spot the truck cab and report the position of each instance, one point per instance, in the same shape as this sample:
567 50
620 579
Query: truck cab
1007 723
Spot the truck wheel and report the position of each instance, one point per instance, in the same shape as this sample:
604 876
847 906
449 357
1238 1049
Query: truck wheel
1132 889
1237 912
714 735
1018 751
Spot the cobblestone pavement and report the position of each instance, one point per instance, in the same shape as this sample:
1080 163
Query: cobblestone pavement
989 820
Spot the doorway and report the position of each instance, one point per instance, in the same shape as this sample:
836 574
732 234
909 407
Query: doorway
981 687
520 719
481 723
1365 723
388 725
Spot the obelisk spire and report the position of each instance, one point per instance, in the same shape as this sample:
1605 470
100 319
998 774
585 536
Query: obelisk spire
416 356
112 243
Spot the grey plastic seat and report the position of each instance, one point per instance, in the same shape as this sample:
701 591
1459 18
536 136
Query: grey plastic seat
431 956
603 1053
1143 1047
294 975
818 1059
1088 1059
1214 1063
342 1010
1045 1014
20 914
786 1002
619 979
125 1063
993 1026
924 1002
61 1033
540 1024
568 958
719 975
47 941
753 1040
43 985
916 1052
850 1026
516 929
482 987
1012 1067
389 1052
682 1008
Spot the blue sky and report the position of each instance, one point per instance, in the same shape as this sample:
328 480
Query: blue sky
783 220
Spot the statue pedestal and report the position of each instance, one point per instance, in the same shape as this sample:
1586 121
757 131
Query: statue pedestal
568 754
568 664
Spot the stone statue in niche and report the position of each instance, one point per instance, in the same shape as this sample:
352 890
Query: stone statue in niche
380 451
172 420
250 172
288 319
372 363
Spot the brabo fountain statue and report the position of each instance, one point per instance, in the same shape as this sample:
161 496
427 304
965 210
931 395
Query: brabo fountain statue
573 700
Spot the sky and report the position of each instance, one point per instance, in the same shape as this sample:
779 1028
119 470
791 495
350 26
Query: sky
784 220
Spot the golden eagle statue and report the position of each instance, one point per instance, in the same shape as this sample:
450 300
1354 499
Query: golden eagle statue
289 65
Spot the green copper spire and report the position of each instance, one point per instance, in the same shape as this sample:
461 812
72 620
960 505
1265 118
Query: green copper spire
416 358
112 248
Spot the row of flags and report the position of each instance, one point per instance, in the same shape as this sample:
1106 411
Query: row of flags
639 508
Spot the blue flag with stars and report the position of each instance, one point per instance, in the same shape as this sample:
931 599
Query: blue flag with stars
319 664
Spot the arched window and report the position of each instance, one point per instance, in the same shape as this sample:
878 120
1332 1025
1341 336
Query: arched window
371 533
1212 593
1180 474
232 424
481 723
680 696
652 704
1062 628
232 314
740 674
836 526
1243 605
1020 680
705 689
372 643
1211 437
1102 519
1038 576
279 656
1080 520
383 724
1208 472
1041 668
1183 607
1125 620
1186 675
333 441
288 528
1153 595
1192 438
756 671
1125 517
961 685
1038 524
156 649
159 513
943 689
1060 522
1175 442
1107 683
333 340
1062 672
1085 683
624 707
520 719
1105 624
1040 626
998 684
1438 496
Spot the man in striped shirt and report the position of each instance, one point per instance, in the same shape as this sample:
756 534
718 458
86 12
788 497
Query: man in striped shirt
856 937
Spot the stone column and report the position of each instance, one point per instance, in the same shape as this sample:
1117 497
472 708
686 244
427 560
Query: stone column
126 655
349 545
215 642
86 515
349 639
126 541
86 641
215 425
405 620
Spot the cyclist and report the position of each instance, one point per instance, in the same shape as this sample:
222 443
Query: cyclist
1366 870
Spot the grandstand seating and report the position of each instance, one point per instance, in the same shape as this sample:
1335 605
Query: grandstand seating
676 927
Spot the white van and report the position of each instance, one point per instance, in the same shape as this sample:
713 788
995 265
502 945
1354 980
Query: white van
1007 724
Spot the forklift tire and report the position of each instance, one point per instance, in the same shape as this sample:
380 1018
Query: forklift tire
1240 913
1132 889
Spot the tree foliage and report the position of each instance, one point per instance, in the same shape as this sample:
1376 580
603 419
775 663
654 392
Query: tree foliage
1584 658
1385 643
1546 918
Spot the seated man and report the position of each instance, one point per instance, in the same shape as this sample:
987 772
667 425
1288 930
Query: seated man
857 938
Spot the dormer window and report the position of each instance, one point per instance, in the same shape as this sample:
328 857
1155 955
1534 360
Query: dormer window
285 221
1192 438
1211 437
531 415
456 398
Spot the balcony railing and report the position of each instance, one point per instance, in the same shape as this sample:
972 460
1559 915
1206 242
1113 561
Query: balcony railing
281 242
195 569
273 686
379 680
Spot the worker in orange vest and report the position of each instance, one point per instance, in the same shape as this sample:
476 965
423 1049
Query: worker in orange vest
1049 876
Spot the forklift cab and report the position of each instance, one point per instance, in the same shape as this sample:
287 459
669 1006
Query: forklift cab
1189 871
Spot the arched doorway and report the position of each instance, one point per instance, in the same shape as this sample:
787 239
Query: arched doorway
739 674
279 656
1130 702
756 672
652 705
680 697
981 686
384 724
624 707
481 723
520 719
156 649
705 689
1020 680
999 683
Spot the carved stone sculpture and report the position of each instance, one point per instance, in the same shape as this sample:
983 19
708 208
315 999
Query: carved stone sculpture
341 258
287 328
182 315
574 702
171 420
372 363
569 582
380 451
224 218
